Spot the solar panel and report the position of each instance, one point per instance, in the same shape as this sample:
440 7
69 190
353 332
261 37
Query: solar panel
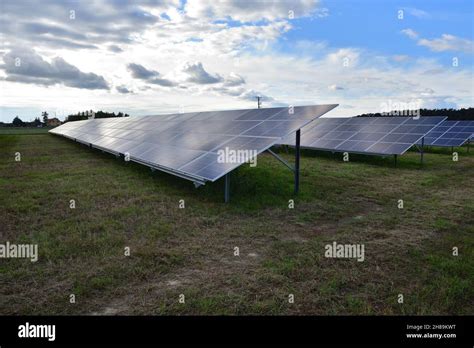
190 145
450 133
370 135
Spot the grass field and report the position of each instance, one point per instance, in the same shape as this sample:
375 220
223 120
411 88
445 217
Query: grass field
23 130
191 251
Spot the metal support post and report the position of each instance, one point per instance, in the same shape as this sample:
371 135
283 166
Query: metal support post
297 161
422 150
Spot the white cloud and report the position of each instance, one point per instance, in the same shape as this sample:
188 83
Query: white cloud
343 57
234 80
446 42
335 88
410 33
417 12
246 11
195 73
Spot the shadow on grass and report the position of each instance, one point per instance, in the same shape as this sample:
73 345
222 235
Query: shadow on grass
251 188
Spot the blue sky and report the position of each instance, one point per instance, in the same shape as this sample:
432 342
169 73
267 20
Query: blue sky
163 56
374 25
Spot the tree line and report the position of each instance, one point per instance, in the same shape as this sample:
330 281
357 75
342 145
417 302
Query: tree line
452 114
84 115
43 120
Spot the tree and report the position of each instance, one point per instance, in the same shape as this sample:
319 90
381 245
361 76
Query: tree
45 117
36 122
17 122
453 114
77 117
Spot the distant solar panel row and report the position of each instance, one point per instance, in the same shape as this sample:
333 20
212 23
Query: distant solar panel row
372 135
188 145
450 133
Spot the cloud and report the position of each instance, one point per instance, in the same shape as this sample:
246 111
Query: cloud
439 102
234 80
427 91
184 74
115 49
410 33
195 73
72 24
25 65
247 11
123 89
417 12
252 95
344 57
335 88
196 80
446 42
140 72
119 25
151 76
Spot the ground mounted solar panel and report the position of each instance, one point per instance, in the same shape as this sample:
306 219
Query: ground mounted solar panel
366 135
193 145
450 133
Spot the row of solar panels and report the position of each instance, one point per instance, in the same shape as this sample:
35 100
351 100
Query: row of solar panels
374 135
382 135
450 133
188 145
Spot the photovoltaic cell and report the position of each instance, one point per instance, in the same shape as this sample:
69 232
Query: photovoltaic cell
189 145
371 135
450 133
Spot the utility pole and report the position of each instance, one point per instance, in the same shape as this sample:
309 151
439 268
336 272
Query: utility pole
258 102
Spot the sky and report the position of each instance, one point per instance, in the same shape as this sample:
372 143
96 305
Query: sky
156 57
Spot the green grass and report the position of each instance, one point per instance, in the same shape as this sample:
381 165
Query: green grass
191 251
23 130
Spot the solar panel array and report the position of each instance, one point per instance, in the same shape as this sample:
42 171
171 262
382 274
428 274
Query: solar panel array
450 133
371 135
188 145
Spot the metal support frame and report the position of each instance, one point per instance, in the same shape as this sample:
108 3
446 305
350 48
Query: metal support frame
422 150
297 160
395 159
468 145
296 168
281 160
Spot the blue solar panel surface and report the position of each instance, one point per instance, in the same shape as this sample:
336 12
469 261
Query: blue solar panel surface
450 133
371 135
189 145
